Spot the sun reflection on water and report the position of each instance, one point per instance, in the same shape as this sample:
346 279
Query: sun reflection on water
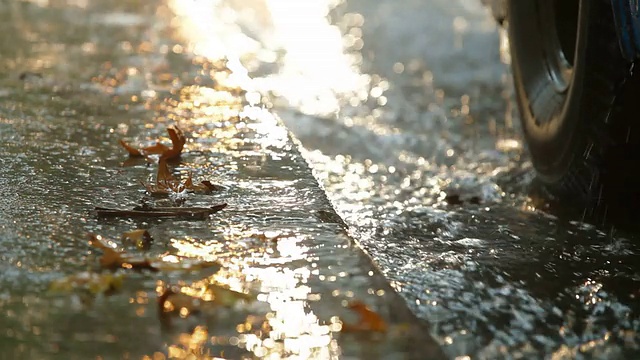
289 326
317 72
231 114
229 117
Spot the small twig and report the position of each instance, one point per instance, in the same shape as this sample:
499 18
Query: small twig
161 212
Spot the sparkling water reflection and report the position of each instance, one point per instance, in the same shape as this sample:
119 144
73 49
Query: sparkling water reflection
286 275
417 148
411 134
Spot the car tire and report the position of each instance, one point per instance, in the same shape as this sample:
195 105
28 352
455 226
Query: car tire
570 79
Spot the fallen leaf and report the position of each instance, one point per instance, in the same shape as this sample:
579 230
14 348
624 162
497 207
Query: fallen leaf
93 282
174 300
370 321
112 258
192 345
186 264
204 186
272 236
141 238
166 184
227 297
177 140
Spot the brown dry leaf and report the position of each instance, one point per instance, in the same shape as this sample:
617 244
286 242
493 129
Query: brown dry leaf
370 321
93 282
140 237
271 236
204 186
177 140
158 148
167 184
172 300
115 259
227 297
192 346
186 264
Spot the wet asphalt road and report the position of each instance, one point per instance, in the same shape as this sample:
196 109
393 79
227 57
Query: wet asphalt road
405 114
423 159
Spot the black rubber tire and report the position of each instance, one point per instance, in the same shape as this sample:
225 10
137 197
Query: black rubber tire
570 97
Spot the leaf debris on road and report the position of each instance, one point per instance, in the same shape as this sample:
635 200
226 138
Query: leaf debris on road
167 184
177 141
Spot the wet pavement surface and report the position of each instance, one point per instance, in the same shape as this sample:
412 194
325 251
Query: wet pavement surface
418 148
288 281
404 114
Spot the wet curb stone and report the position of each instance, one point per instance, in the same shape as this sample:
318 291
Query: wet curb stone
346 273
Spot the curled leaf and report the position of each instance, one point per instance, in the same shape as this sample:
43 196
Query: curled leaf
177 140
204 186
141 238
370 321
166 184
92 282
133 152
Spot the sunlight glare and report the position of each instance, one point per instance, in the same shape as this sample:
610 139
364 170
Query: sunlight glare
316 73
